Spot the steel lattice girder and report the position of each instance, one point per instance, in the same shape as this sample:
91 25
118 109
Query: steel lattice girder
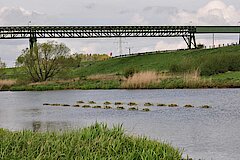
17 32
187 32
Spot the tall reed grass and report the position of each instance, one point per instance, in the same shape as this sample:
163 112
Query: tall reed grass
6 83
192 79
94 142
141 80
151 79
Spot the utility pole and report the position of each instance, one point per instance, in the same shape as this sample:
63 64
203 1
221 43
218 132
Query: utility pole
213 40
120 45
239 33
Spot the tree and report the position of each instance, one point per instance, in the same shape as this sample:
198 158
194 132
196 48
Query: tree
2 64
44 60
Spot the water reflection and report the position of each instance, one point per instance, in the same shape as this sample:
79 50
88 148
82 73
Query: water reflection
38 126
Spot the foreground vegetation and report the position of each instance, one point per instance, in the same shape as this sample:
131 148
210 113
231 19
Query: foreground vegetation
94 142
200 68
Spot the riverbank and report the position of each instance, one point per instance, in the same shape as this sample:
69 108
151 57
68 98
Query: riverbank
200 68
142 80
94 142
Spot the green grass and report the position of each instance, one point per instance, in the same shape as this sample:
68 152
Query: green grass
94 142
82 84
156 62
213 64
227 76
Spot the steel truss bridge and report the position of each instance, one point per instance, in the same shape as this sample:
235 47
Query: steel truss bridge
186 32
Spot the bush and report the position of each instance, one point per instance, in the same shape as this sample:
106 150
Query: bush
129 72
221 63
209 64
183 66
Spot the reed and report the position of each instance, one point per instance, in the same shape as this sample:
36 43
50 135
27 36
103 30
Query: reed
192 79
6 83
94 142
141 80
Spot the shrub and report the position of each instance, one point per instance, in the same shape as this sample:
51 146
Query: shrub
221 63
185 65
129 72
209 64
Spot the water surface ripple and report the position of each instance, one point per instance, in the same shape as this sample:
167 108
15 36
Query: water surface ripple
203 133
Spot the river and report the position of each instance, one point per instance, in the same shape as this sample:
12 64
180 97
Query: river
212 133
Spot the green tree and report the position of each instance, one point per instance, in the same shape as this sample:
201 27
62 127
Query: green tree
44 61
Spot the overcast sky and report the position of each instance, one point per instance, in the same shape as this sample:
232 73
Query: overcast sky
116 12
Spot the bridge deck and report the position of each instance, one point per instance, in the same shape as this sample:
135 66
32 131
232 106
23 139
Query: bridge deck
217 29
187 32
15 32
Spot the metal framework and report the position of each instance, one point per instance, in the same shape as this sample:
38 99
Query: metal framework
34 32
187 32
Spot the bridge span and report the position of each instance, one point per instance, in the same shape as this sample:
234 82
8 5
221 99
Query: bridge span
187 32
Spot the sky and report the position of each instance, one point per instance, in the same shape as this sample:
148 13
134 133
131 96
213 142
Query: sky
117 12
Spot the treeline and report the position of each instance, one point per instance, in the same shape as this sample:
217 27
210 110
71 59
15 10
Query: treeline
76 59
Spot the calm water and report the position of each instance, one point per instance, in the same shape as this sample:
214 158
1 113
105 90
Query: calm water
203 133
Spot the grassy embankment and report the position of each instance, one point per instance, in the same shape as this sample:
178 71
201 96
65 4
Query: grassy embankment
94 142
211 68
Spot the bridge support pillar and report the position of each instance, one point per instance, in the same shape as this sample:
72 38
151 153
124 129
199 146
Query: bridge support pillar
32 41
190 40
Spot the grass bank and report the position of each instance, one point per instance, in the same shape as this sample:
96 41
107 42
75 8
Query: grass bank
94 142
215 68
